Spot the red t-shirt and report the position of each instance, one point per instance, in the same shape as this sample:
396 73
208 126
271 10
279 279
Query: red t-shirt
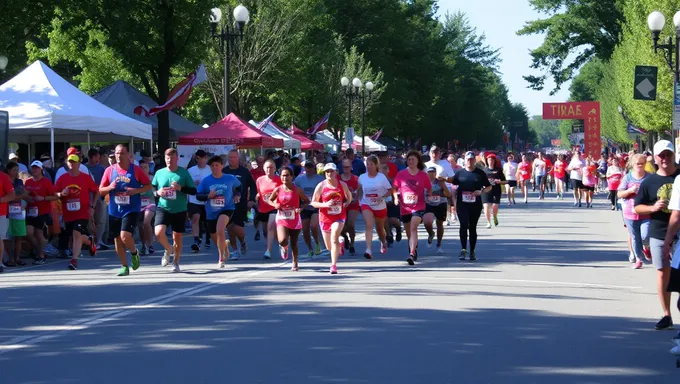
393 170
257 173
560 169
265 187
411 190
525 170
5 188
42 187
352 185
76 206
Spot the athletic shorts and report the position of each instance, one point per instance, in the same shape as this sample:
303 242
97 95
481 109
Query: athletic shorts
354 207
4 227
264 217
37 222
127 223
326 227
194 209
212 224
512 183
659 260
240 216
587 188
378 214
440 211
407 218
174 220
493 197
576 184
77 225
393 211
674 282
17 228
306 214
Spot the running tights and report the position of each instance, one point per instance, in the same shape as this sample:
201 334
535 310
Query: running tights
612 198
468 216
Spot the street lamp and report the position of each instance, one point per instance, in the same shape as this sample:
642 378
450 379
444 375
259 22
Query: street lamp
227 37
3 63
361 92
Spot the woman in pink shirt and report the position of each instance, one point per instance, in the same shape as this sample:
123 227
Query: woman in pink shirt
411 187
266 213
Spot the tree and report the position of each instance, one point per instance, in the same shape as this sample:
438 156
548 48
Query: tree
545 130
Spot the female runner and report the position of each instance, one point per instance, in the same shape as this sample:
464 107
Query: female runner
560 174
471 182
411 187
435 209
492 199
524 176
332 198
286 199
266 213
589 181
372 189
352 182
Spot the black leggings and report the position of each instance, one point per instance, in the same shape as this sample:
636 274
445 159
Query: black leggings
612 198
468 216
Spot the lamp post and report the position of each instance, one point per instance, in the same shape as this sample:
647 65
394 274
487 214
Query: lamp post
3 65
362 92
227 37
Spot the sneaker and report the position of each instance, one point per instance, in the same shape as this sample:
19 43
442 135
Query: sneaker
488 225
124 271
257 236
102 247
631 258
317 250
345 241
637 265
151 250
294 268
430 238
495 221
342 242
175 268
235 255
415 254
220 264
73 265
40 261
463 255
244 248
390 240
142 251
166 258
676 350
352 251
368 255
207 243
648 254
440 251
383 247
267 255
310 254
666 322
334 270
410 260
92 247
135 260
473 257
195 247
284 252
398 237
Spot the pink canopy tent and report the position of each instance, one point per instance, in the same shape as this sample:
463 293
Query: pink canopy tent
306 144
232 130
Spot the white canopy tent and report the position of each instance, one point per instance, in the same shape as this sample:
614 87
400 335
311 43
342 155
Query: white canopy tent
371 145
288 141
43 107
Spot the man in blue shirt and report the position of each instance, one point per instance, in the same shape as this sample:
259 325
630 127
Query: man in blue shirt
358 166
221 194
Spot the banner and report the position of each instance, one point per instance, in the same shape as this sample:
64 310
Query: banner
589 112
556 142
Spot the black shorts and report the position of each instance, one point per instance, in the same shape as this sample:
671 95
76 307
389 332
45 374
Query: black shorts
587 188
393 211
77 225
576 184
493 197
212 224
37 222
407 218
440 211
194 209
674 281
512 183
264 217
306 214
126 223
174 220
240 216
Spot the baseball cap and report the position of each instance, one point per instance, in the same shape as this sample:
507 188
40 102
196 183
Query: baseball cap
13 156
37 163
431 169
330 167
469 155
72 151
662 145
73 158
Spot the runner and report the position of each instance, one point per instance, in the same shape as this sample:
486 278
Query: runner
123 182
310 215
523 177
148 212
589 181
6 195
73 189
540 170
435 209
411 187
560 175
331 197
172 183
492 199
196 208
471 182
575 169
256 171
222 193
348 231
614 175
510 172
393 214
286 199
17 215
372 188
40 197
266 213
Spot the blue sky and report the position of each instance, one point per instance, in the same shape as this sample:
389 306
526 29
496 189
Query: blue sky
499 20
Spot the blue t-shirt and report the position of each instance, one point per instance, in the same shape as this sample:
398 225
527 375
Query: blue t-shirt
224 200
120 204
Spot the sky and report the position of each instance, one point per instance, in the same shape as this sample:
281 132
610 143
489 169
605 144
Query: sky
499 20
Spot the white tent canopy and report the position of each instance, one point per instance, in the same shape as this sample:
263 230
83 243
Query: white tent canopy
43 107
325 138
288 141
371 145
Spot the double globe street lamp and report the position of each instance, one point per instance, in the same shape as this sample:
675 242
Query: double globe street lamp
227 37
362 92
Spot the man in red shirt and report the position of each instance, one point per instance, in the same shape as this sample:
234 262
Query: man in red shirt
6 195
74 188
40 193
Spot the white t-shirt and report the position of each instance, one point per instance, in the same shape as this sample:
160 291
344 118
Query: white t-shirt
61 171
510 171
577 165
374 188
539 167
197 175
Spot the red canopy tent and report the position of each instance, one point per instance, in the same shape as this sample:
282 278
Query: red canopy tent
232 130
306 144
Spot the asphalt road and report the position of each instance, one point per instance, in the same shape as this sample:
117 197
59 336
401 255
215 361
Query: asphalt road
551 299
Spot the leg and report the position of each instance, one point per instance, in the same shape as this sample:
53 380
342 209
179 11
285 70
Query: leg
294 235
177 244
349 226
146 227
162 238
413 228
271 231
315 228
380 228
220 239
333 237
428 222
370 222
440 232
306 236
36 239
236 232
494 210
475 213
282 235
464 221
487 212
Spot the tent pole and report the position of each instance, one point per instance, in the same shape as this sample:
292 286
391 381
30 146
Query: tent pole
132 145
88 141
54 161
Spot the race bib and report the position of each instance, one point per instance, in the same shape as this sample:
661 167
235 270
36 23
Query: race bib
146 201
468 197
373 199
73 205
410 198
122 199
170 194
287 214
433 199
33 212
334 210
217 202
15 208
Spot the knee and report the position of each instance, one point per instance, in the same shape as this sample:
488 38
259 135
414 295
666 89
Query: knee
283 242
125 236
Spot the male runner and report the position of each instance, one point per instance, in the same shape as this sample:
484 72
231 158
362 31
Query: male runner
248 192
196 208
124 182
310 215
172 183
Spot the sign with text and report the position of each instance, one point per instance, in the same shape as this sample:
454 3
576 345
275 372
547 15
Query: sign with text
589 112
644 86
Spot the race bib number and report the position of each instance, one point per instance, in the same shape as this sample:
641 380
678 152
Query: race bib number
73 205
433 199
287 214
146 201
469 197
373 199
33 212
170 194
217 202
122 199
15 208
334 210
410 198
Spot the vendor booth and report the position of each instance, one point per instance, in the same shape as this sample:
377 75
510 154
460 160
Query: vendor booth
272 130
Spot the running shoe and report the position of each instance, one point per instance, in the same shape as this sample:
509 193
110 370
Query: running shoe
195 247
676 351
73 264
398 238
244 248
284 252
463 255
235 255
415 254
102 247
92 247
166 258
368 255
410 260
257 236
473 257
124 271
383 247
317 250
310 254
666 322
637 265
488 225
135 260
151 250
440 251
631 257
220 263
495 220
267 255
207 243
40 261
390 239
294 268
142 251
175 268
334 270
430 238
648 254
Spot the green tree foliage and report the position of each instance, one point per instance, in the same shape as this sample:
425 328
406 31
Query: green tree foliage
545 130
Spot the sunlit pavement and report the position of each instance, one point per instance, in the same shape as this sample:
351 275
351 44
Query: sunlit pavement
552 299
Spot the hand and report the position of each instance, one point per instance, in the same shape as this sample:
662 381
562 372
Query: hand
176 186
666 250
396 201
113 184
276 205
237 199
441 178
65 192
659 205
212 194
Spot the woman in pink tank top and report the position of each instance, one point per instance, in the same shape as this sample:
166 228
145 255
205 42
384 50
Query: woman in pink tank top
332 198
286 200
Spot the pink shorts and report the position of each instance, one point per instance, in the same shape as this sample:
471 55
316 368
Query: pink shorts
326 227
378 214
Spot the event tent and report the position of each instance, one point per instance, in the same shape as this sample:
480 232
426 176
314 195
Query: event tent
306 143
123 98
232 130
325 138
371 146
390 142
43 107
272 130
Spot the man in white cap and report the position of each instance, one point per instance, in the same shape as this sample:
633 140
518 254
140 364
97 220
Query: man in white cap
13 157
653 197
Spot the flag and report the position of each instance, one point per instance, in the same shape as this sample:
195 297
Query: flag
320 125
266 121
377 135
178 95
